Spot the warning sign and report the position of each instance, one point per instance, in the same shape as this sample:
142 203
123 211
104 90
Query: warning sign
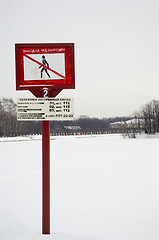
54 109
45 65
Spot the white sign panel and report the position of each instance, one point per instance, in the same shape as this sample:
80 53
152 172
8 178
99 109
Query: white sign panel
53 109
44 66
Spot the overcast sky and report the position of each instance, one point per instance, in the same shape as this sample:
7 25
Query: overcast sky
116 49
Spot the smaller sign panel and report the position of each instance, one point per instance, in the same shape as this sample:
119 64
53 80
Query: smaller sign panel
53 109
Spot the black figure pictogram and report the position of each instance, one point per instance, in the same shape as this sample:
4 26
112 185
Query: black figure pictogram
44 62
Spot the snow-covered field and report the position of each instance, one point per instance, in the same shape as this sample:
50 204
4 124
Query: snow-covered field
102 187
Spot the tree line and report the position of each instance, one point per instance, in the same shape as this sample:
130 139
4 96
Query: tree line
146 119
9 126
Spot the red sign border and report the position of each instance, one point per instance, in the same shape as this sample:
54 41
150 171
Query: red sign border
34 85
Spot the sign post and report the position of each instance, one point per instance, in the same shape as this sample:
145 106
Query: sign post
45 70
46 177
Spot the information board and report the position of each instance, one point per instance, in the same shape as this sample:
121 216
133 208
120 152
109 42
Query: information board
54 109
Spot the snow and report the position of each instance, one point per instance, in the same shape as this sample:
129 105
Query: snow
102 187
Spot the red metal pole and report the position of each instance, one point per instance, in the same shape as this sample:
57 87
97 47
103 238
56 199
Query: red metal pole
46 177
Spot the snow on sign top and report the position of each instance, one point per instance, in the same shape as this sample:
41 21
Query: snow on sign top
44 65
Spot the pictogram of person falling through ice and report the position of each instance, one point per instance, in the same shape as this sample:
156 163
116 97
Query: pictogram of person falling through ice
45 63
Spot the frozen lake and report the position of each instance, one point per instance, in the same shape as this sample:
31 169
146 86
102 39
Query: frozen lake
102 187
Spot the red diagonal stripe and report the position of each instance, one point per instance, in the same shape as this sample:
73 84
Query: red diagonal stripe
32 59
